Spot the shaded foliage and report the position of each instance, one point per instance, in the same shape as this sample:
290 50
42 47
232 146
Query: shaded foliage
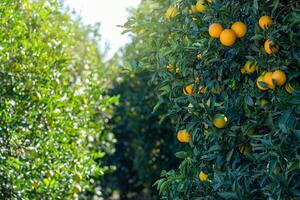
271 169
144 147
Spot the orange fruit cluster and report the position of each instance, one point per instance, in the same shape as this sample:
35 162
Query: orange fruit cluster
265 22
228 36
271 79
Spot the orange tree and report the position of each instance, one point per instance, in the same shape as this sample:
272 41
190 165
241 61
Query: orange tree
53 113
229 71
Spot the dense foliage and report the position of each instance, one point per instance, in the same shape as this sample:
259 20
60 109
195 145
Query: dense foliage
243 134
53 114
214 83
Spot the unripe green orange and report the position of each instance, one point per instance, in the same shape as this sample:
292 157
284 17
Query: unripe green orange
220 120
77 189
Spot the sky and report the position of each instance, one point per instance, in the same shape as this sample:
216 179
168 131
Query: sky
109 13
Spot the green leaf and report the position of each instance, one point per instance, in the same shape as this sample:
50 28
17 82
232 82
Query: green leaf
229 155
228 195
249 101
283 121
255 6
181 154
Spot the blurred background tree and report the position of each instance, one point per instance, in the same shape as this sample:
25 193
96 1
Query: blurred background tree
53 110
144 145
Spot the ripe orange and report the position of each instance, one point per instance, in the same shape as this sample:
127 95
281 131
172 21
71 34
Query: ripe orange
250 67
77 177
279 77
220 120
203 176
268 80
28 84
188 90
269 49
215 30
200 6
265 22
260 79
171 12
239 28
227 37
183 136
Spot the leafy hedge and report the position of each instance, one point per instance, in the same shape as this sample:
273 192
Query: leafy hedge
256 154
53 112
